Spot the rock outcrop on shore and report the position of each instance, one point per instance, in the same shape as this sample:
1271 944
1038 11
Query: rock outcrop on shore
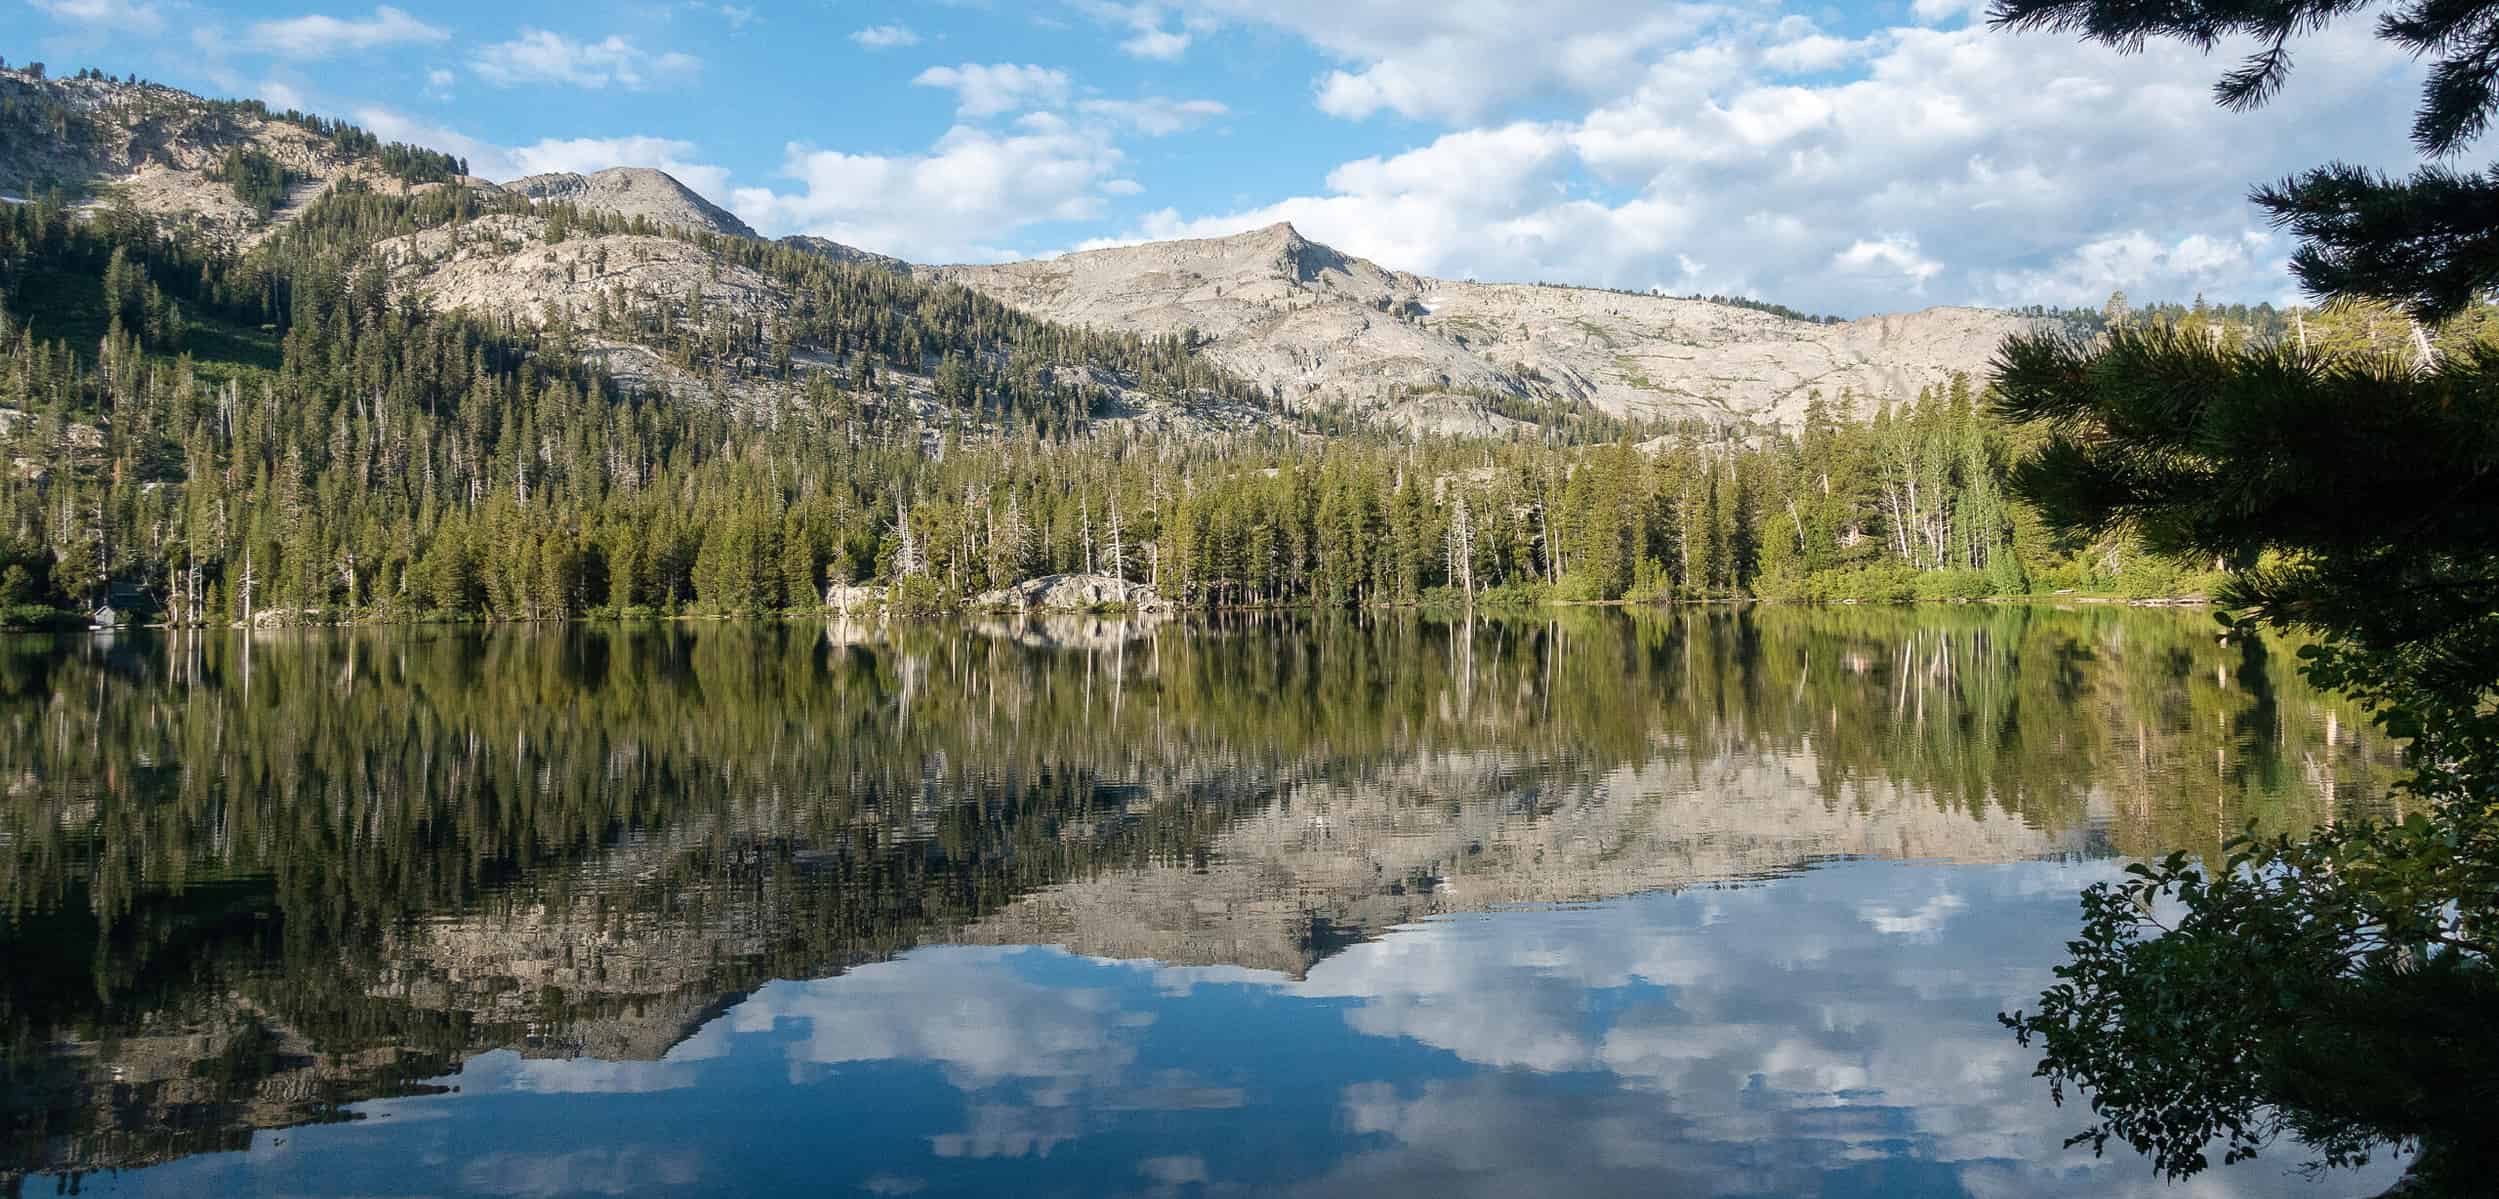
1070 593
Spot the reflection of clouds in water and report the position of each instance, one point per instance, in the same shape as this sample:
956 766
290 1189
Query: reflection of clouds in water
1042 1061
1003 1130
1172 1091
1760 1039
962 1008
583 1172
580 1075
1879 1040
1925 922
1173 1171
505 1070
1178 981
1753 1070
1503 1134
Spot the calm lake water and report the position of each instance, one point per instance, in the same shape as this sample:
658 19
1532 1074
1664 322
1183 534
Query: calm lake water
1710 903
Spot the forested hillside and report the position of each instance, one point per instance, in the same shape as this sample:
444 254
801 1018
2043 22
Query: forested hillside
301 430
284 432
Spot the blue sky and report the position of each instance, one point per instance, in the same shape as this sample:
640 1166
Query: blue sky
1858 158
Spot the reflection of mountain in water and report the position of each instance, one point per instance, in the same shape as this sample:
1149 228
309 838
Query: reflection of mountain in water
1296 880
251 884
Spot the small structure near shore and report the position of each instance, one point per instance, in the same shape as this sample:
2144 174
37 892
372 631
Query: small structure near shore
123 603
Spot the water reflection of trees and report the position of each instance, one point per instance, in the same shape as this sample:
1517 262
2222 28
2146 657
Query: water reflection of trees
260 879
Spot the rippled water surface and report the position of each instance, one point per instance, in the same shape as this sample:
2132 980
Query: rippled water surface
1711 903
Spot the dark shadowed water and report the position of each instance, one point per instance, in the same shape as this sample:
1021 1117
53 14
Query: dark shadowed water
1711 903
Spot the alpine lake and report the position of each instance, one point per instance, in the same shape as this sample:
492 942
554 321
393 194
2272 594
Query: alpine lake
1707 901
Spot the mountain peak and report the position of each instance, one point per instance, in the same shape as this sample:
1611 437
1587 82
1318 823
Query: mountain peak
827 248
1326 328
1278 236
631 192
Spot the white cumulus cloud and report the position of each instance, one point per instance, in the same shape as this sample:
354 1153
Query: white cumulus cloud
988 90
124 16
1894 259
1630 143
1464 61
1155 116
679 158
2137 262
963 199
1161 44
538 56
318 35
1145 25
587 154
282 96
1745 150
886 37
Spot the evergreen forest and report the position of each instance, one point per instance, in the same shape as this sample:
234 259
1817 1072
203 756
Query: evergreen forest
271 436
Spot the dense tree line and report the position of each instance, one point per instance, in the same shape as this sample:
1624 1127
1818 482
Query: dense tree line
389 459
394 463
279 435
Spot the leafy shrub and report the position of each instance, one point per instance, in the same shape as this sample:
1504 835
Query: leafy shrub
1514 595
32 616
917 595
1577 588
1955 585
1888 583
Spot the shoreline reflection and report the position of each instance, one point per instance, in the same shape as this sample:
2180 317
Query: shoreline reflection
266 885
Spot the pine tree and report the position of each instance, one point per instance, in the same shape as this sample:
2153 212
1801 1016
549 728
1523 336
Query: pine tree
1011 545
1119 543
908 562
2337 985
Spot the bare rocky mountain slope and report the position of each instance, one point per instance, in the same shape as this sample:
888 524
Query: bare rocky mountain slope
162 151
1339 855
634 192
105 145
1325 328
1320 329
836 251
657 196
510 264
